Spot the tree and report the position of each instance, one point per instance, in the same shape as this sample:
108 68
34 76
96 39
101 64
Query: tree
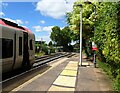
73 20
66 37
50 43
55 34
62 37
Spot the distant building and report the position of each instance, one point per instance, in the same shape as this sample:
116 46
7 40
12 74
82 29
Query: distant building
39 42
38 45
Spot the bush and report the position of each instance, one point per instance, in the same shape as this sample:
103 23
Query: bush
117 83
109 71
45 49
107 37
52 49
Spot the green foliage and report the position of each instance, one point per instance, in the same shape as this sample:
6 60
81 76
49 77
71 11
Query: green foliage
73 19
117 83
106 34
55 34
52 49
62 37
50 43
87 47
39 54
107 37
66 36
37 48
44 49
37 45
107 68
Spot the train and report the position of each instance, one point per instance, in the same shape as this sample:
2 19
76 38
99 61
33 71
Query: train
17 46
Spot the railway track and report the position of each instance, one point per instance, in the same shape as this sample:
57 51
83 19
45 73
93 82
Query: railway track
43 60
39 67
39 61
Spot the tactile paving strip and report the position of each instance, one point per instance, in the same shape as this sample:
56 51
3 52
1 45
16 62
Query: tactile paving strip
67 78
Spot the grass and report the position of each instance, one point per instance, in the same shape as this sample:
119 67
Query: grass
107 69
39 54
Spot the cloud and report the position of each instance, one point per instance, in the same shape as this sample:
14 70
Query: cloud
2 14
42 22
18 21
3 4
26 22
54 8
40 28
44 38
25 26
48 28
37 28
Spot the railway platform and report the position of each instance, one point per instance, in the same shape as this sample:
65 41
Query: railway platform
65 75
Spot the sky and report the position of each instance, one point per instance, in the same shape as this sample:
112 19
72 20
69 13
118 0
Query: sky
39 16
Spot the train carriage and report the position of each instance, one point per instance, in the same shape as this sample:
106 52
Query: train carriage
17 46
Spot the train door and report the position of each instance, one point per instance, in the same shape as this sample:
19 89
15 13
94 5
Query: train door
25 50
31 39
18 49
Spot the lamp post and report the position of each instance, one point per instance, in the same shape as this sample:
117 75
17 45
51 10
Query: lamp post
80 35
80 5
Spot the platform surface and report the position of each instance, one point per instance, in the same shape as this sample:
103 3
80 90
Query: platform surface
67 75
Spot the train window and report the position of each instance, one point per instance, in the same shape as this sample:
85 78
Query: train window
7 48
0 48
20 45
31 45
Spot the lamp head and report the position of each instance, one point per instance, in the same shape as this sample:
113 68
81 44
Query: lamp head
80 5
87 2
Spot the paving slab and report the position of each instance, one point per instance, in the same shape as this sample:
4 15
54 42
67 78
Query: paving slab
69 67
73 64
85 63
60 88
65 81
69 73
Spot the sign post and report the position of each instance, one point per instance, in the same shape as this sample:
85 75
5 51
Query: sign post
94 48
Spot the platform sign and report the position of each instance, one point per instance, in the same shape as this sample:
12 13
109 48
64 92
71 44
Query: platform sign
94 47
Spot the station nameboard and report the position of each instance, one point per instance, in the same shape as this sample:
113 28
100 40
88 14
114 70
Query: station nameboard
94 47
